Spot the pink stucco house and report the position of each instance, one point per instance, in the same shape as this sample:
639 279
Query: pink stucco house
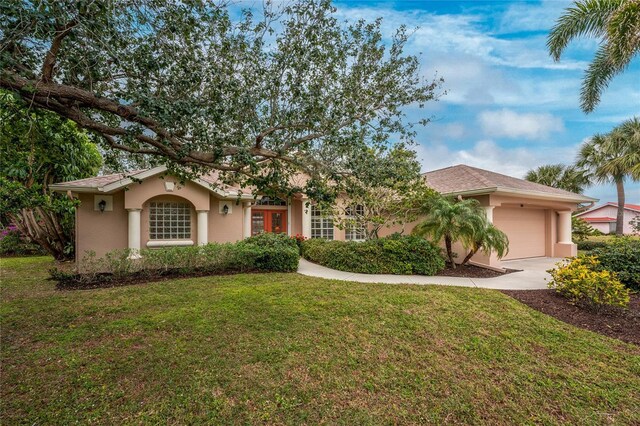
148 209
604 217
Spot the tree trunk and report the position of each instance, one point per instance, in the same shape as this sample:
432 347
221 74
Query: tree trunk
43 229
621 201
447 244
472 252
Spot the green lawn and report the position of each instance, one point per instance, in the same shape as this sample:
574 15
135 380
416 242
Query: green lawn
288 349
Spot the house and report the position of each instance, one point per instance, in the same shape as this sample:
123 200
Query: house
149 209
604 217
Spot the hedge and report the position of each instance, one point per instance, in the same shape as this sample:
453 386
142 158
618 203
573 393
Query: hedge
397 254
622 256
590 245
256 254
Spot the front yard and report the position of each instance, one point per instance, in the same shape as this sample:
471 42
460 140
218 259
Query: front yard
283 348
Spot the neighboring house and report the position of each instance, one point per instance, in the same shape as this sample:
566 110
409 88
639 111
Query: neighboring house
151 209
604 217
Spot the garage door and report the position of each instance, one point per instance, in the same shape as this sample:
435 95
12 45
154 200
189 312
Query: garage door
525 228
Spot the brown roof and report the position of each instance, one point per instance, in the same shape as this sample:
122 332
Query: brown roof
99 181
463 179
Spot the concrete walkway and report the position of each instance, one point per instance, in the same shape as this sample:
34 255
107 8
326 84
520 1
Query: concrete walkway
531 276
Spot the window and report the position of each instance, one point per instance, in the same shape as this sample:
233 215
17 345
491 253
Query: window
321 226
268 201
169 221
355 230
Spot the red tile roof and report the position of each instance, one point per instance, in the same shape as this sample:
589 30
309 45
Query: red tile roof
599 219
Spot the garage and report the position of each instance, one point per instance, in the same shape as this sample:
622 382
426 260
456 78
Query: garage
526 229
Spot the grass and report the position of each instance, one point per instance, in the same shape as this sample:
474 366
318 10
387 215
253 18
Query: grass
288 349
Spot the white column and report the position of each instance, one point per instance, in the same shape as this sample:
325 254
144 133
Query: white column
203 227
134 233
306 219
489 212
289 216
246 224
564 227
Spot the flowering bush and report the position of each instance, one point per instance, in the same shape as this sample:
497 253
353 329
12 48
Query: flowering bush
12 243
582 281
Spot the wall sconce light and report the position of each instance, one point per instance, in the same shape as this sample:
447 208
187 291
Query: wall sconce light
225 210
101 205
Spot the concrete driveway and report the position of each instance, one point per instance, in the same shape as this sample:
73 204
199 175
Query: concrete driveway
532 275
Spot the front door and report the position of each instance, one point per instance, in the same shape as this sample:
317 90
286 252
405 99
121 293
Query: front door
268 221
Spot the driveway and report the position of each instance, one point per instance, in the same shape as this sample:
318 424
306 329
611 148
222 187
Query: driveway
532 275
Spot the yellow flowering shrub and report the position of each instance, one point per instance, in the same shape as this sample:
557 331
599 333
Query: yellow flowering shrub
580 280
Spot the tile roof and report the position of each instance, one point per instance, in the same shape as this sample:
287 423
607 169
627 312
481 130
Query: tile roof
633 207
599 219
463 178
98 181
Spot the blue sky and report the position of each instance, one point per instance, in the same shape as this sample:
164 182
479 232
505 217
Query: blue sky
508 107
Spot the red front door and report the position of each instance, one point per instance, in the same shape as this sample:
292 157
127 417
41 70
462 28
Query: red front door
268 221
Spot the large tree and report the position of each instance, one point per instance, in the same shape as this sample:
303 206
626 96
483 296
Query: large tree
201 85
569 178
614 157
616 24
38 148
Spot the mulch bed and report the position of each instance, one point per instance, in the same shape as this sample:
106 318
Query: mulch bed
617 323
471 271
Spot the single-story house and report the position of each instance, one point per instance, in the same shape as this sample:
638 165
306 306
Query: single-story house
148 209
604 217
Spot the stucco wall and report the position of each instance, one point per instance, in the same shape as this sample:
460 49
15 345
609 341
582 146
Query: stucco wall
611 211
100 232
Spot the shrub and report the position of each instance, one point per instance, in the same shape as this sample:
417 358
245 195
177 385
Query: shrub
582 280
256 254
590 245
13 243
406 254
622 256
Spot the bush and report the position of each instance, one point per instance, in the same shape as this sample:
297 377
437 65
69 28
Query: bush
583 281
591 245
256 254
622 256
406 254
13 243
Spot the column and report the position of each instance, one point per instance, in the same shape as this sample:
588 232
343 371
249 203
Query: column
134 233
489 212
289 216
564 227
203 227
246 224
306 218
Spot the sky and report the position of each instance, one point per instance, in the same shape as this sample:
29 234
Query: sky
508 106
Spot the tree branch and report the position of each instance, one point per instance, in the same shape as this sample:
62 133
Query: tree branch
50 58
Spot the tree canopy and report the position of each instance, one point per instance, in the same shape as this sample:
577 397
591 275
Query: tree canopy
613 158
199 85
615 23
569 178
38 148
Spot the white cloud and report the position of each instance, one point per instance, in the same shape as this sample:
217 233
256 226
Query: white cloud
486 154
510 124
527 17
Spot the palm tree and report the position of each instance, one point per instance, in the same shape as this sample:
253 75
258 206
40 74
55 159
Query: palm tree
451 220
615 23
569 178
488 239
614 157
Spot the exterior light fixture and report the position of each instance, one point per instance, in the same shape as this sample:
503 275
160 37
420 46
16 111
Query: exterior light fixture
225 210
101 205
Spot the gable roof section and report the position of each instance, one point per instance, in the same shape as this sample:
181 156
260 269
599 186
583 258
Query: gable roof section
467 180
632 207
116 181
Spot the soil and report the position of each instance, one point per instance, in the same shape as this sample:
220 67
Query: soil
623 324
471 271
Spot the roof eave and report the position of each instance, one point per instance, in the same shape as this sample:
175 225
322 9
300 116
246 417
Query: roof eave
531 194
